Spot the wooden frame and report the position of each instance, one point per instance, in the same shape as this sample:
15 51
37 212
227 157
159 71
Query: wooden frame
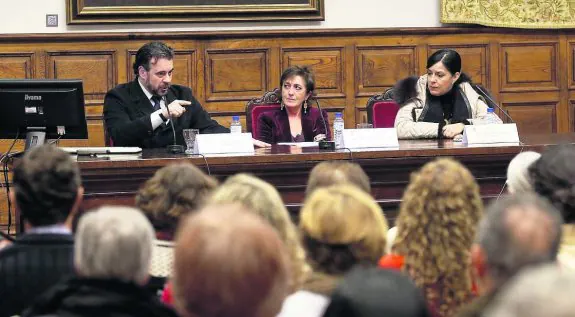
169 11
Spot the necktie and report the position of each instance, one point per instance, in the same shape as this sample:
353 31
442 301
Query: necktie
156 100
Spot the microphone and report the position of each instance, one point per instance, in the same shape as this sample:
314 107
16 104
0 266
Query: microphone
173 148
324 144
491 101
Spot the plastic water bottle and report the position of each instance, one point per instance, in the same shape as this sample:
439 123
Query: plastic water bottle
236 126
338 126
491 117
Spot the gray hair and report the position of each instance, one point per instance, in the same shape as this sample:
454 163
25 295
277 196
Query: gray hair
506 248
518 178
114 242
541 291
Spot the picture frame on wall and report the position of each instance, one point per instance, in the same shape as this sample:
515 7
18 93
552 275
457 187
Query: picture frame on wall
170 11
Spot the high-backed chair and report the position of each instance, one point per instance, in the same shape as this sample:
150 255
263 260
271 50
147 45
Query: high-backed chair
382 109
271 100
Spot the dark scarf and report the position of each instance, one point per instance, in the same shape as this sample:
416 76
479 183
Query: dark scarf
452 107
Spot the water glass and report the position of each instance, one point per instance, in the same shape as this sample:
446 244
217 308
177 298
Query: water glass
190 139
364 126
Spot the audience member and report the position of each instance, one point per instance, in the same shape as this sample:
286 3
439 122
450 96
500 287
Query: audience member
263 199
436 224
518 180
173 191
342 226
331 173
47 193
112 259
229 262
517 231
540 291
373 292
553 177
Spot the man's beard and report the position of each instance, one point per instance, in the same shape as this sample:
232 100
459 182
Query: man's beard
159 91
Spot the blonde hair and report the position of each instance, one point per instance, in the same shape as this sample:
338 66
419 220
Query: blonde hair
342 226
436 226
263 199
332 173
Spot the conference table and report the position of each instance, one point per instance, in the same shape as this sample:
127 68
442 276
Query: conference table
114 179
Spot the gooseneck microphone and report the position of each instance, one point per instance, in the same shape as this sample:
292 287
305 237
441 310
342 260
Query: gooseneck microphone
324 144
491 101
173 148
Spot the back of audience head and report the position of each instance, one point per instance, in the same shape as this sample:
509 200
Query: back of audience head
435 229
331 173
173 191
373 292
518 180
114 242
539 291
229 262
553 177
517 231
342 226
263 199
47 186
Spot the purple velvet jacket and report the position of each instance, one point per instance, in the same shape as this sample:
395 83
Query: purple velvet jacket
273 126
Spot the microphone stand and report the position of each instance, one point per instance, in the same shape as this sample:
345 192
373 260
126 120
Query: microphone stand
324 144
173 148
491 101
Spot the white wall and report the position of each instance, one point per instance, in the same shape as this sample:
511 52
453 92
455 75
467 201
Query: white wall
29 16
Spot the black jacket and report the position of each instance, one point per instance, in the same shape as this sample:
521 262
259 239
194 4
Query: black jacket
30 266
83 297
127 113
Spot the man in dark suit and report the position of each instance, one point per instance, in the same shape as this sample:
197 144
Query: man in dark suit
138 113
47 192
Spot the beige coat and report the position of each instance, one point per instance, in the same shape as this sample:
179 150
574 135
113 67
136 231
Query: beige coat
409 129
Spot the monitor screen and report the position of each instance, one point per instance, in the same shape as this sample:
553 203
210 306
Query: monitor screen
51 106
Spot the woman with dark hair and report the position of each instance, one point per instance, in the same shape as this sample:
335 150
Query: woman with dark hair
438 104
296 120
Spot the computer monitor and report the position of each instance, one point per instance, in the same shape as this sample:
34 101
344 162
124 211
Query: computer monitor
40 109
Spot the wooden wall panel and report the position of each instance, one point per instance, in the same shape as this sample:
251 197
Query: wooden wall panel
537 117
17 65
233 75
379 68
529 67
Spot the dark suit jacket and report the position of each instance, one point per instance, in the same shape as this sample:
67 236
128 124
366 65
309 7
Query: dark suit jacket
127 113
30 266
273 126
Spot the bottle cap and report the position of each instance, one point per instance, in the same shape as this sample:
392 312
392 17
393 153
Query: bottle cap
490 110
338 114
235 118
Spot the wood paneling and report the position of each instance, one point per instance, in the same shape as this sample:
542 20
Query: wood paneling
16 65
225 70
539 117
529 67
379 68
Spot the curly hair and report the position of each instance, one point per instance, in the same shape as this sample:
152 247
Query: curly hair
173 191
553 177
342 226
436 226
264 200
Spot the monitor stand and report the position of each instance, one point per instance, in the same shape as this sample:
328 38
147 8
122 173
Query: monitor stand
34 138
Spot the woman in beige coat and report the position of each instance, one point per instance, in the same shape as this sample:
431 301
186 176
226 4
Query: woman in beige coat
438 104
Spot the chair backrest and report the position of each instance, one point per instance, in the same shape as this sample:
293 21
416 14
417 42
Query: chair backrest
382 109
268 102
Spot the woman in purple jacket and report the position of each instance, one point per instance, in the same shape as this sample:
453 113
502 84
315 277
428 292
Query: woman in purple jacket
296 120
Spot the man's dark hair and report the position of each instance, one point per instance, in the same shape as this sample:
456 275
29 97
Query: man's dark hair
553 177
506 252
149 52
46 183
